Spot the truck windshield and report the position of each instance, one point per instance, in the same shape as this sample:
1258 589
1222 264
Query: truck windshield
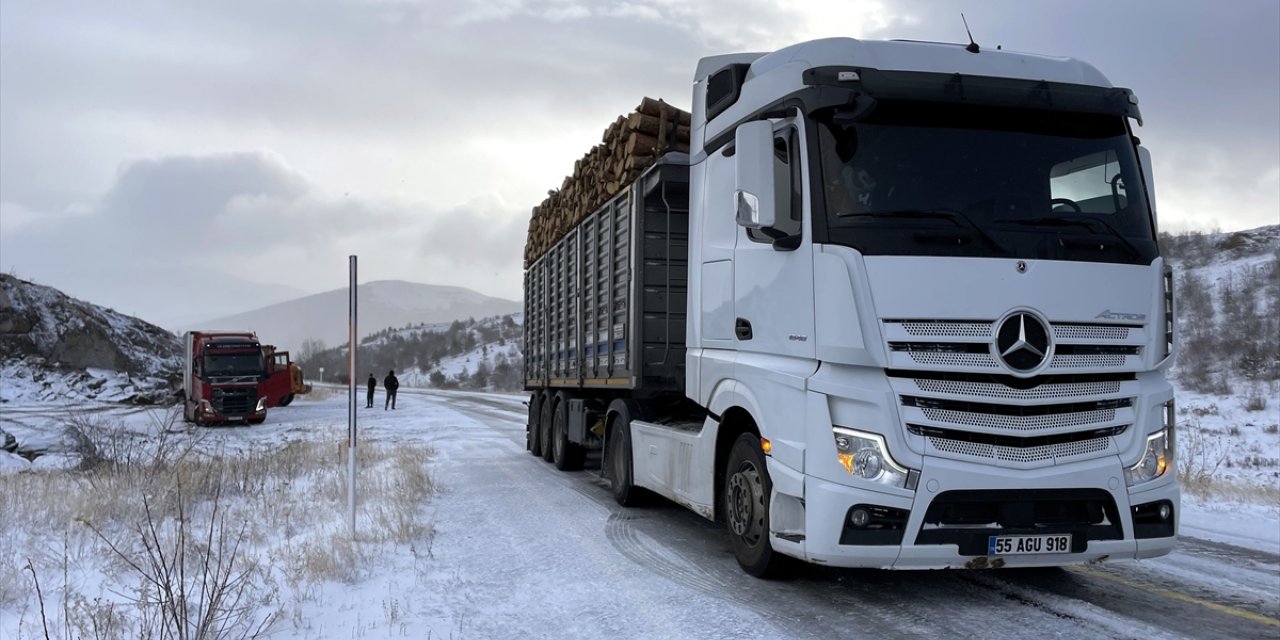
233 364
915 178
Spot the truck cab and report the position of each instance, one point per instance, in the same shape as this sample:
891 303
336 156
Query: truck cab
926 282
221 378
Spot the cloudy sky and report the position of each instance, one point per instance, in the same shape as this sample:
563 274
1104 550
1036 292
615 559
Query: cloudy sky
182 160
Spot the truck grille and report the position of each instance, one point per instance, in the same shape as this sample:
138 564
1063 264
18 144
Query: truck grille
956 396
997 390
955 345
1036 449
235 401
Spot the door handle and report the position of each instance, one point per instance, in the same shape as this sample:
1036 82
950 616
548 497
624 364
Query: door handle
742 329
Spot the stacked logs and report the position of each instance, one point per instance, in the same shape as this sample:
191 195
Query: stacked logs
629 146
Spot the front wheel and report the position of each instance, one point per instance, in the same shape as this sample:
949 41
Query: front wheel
284 402
746 509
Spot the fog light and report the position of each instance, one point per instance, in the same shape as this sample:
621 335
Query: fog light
1165 511
859 517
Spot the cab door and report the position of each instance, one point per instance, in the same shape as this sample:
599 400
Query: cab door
773 269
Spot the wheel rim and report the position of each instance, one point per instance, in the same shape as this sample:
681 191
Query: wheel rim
746 504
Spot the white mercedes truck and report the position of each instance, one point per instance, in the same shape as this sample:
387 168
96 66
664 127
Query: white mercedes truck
900 306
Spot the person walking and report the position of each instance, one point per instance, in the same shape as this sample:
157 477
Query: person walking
390 383
373 384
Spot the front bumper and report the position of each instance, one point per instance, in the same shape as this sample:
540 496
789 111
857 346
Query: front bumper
827 505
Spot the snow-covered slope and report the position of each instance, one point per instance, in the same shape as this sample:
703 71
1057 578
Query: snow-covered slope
1228 370
55 348
384 303
480 355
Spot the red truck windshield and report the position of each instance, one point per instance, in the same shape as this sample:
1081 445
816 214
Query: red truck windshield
218 365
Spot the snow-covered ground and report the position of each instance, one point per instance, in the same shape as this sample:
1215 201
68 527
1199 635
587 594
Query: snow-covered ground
505 546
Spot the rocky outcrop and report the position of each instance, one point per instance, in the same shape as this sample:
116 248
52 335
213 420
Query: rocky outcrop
46 335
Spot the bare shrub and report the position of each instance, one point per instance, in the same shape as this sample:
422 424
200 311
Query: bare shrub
1256 402
193 588
1199 458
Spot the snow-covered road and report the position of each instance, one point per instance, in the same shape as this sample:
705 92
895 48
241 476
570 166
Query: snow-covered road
521 550
572 563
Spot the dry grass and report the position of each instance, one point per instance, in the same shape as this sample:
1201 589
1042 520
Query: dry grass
280 513
1201 456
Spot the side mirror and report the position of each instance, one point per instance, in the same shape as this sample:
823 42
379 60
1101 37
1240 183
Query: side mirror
754 193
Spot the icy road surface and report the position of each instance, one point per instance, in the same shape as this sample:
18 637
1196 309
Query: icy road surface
522 550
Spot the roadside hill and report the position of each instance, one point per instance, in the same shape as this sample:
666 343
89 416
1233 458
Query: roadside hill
476 355
56 348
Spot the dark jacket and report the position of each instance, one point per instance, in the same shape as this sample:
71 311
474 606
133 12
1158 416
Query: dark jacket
390 382
373 383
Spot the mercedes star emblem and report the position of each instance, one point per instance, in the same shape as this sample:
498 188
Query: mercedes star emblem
1022 342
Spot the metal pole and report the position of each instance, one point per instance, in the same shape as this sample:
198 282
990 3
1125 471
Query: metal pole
351 400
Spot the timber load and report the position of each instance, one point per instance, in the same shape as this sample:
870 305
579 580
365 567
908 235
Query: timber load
630 145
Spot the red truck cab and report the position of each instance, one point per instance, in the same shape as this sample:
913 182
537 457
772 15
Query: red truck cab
224 370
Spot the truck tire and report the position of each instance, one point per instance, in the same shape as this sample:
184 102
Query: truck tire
531 443
619 467
746 508
544 426
566 455
284 402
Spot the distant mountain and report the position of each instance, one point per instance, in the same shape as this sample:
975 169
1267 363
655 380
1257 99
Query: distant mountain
56 348
382 304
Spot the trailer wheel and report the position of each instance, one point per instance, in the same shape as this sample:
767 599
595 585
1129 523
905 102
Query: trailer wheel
544 426
746 507
284 402
618 465
531 428
566 455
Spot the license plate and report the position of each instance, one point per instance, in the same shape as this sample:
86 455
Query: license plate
1022 545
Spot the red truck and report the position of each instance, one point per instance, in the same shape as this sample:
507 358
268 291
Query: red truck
283 379
222 379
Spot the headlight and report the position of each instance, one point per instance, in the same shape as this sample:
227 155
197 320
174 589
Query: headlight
206 407
865 455
1158 456
262 404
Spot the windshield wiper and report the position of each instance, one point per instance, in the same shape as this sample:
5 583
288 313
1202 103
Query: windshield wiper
1082 221
935 214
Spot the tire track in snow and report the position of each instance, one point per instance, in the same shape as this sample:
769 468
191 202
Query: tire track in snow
647 554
